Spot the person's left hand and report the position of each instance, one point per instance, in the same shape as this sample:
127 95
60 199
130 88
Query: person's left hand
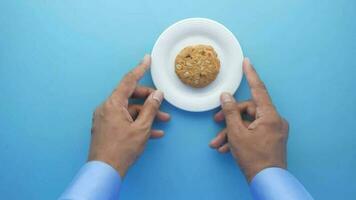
120 129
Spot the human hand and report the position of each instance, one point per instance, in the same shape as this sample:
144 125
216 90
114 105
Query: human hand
257 143
121 129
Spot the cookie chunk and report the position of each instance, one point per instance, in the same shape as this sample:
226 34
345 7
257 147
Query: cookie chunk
197 65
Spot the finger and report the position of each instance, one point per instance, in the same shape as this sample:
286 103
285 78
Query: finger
248 107
154 134
163 116
135 109
231 112
224 149
219 140
150 109
258 89
128 84
142 92
219 116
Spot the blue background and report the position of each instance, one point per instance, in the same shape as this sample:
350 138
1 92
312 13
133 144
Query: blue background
60 59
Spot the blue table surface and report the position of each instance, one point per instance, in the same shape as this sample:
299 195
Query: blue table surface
60 59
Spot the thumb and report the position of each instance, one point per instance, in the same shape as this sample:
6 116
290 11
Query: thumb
150 108
231 111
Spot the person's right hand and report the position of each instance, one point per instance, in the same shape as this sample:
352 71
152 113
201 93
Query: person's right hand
256 144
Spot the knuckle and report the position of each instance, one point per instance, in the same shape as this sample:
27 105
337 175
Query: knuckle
229 106
265 111
281 137
260 85
153 103
142 127
107 106
141 66
230 110
277 121
146 90
131 75
285 126
273 121
145 127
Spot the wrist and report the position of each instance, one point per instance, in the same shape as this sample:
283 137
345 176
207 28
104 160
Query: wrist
121 169
251 172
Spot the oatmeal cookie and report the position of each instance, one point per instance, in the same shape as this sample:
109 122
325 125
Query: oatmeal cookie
197 65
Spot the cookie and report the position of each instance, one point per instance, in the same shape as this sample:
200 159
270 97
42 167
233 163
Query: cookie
197 66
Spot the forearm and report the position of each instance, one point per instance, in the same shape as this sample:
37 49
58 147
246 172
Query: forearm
96 180
276 184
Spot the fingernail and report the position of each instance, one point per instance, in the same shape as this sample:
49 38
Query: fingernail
167 115
158 96
146 59
248 62
213 141
160 131
226 97
212 144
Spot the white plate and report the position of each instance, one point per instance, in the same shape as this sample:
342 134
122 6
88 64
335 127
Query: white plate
193 31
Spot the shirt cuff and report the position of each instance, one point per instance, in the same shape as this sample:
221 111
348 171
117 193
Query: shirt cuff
95 180
276 184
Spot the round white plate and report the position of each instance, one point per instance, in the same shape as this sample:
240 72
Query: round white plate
194 31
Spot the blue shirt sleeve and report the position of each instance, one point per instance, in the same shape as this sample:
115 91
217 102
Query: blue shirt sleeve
96 180
277 184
